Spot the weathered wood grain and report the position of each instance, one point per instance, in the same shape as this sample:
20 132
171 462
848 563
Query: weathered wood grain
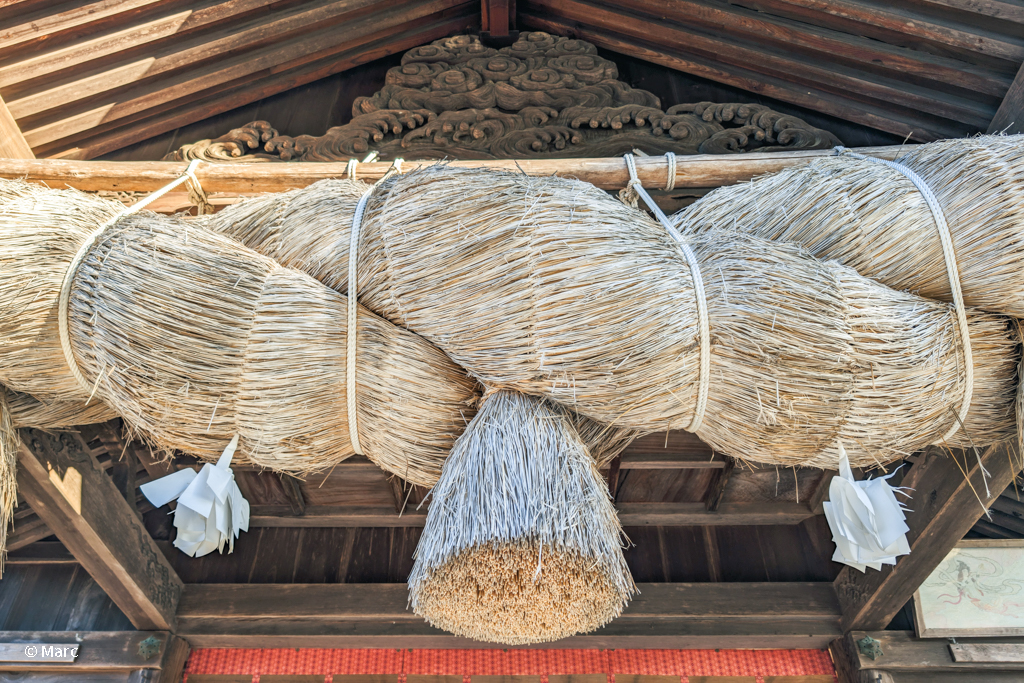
67 488
1009 118
12 142
108 651
948 498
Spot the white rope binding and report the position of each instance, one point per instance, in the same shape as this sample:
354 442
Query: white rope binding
353 307
64 302
952 272
698 288
670 159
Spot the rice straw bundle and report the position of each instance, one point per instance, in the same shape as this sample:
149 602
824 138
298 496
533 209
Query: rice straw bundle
308 230
550 287
872 217
193 338
28 411
521 543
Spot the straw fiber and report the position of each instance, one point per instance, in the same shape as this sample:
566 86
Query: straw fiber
521 544
550 287
872 217
192 338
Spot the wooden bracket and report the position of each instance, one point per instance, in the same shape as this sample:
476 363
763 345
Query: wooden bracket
80 503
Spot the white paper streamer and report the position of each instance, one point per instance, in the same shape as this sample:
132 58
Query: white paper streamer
867 521
211 510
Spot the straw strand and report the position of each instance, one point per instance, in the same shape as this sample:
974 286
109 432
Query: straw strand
83 251
952 272
704 375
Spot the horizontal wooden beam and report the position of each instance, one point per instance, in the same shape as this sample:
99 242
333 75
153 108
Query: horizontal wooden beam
630 514
749 615
98 652
903 653
700 170
69 490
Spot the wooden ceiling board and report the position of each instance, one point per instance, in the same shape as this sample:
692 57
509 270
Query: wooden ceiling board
924 70
88 81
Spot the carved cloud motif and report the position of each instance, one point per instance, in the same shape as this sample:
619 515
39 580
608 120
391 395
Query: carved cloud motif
543 96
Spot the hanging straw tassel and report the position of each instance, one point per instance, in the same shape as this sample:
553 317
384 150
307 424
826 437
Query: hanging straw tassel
522 544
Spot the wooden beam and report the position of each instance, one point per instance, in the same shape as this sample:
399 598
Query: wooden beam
368 32
948 497
755 27
210 101
12 142
780 62
27 531
1009 117
41 553
903 653
162 657
719 480
630 514
901 122
68 489
376 615
699 170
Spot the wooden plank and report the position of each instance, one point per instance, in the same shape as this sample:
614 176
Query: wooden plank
67 18
874 55
699 170
376 615
895 24
989 653
905 122
630 514
1009 117
27 531
12 142
947 500
902 652
67 488
275 58
716 491
41 553
728 52
109 651
176 24
105 138
248 38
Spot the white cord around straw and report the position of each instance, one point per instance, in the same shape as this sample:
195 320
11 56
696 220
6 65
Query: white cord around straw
952 272
63 303
703 322
353 308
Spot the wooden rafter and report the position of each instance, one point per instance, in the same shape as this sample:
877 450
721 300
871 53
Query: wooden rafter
80 503
376 615
949 493
12 142
1009 117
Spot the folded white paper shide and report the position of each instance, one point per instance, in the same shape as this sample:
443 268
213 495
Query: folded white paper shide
868 523
211 510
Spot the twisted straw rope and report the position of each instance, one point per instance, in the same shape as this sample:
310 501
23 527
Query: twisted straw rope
63 303
704 376
952 272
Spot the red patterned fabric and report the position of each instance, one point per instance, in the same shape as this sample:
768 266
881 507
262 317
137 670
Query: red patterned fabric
682 663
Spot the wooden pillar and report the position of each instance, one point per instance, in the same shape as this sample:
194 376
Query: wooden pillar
12 142
69 491
948 498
